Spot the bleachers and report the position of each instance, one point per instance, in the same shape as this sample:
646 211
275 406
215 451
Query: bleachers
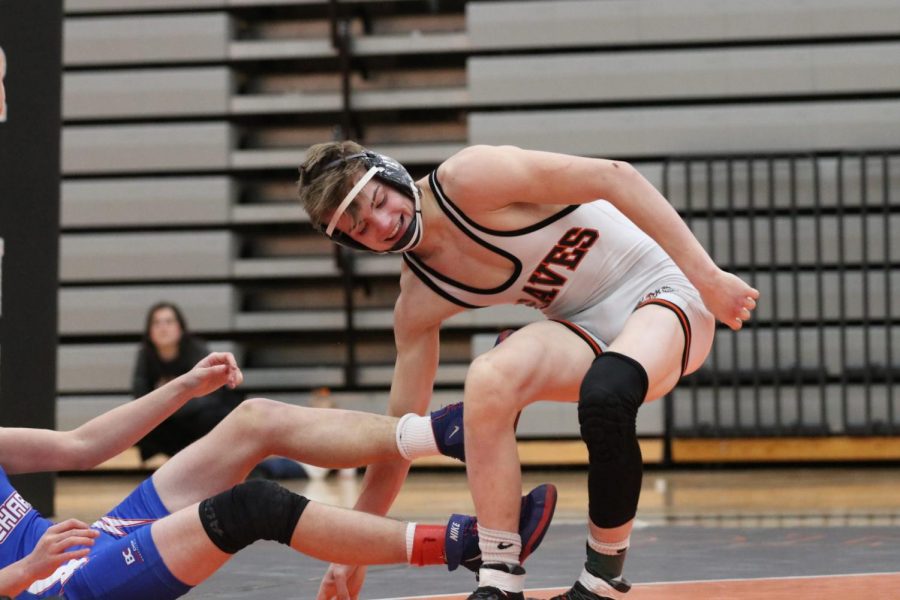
528 25
185 122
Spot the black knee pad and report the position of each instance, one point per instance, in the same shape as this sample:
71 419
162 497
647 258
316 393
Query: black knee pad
610 395
251 511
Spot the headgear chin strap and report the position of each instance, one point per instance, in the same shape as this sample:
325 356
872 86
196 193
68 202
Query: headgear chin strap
391 172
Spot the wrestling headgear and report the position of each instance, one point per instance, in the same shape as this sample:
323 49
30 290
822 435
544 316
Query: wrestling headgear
392 173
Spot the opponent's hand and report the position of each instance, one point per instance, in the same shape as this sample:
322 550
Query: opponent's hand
214 371
729 299
342 582
52 550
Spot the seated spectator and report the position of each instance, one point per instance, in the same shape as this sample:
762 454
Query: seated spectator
169 350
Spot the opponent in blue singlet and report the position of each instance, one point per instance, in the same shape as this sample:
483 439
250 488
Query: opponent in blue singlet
124 562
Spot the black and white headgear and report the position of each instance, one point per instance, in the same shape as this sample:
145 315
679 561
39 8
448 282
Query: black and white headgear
390 172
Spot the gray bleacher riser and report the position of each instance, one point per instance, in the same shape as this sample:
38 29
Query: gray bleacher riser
735 351
364 46
409 154
107 368
146 39
363 100
123 256
146 202
737 405
72 411
292 378
147 93
145 148
121 310
567 23
684 74
777 127
97 368
74 7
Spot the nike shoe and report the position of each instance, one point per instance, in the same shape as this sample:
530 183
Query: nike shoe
579 592
536 512
447 422
488 592
447 427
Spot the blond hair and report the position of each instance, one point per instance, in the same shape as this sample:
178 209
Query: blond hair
321 189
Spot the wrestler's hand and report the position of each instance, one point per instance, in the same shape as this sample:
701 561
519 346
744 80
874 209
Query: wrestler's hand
211 373
342 582
729 298
52 549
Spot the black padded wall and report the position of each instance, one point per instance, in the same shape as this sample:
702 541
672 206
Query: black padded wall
31 38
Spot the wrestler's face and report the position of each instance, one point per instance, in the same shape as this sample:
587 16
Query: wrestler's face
382 216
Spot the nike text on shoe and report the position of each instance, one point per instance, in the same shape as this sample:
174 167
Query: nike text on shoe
536 512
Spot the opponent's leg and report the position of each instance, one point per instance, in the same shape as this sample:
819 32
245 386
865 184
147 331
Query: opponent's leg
195 541
259 428
328 437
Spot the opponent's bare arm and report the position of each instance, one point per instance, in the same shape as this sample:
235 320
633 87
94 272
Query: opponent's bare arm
24 450
498 177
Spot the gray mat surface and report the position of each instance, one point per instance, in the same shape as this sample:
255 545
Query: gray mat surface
660 553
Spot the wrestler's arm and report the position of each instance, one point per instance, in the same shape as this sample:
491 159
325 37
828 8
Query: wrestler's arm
25 450
500 176
418 315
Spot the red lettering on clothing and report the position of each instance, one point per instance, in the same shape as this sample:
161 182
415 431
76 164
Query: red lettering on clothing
568 252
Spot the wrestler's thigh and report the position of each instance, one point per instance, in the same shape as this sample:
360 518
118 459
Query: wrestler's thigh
653 336
543 360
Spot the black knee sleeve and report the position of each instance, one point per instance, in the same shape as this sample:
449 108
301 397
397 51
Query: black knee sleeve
611 393
251 511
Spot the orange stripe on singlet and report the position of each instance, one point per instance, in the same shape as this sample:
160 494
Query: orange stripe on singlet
582 334
685 327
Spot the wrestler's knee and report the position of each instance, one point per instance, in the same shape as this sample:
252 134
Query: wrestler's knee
256 417
493 388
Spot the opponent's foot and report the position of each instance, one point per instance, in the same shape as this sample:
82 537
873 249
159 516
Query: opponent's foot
535 514
488 592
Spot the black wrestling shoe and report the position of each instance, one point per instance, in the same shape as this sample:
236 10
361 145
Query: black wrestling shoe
579 592
492 593
487 592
